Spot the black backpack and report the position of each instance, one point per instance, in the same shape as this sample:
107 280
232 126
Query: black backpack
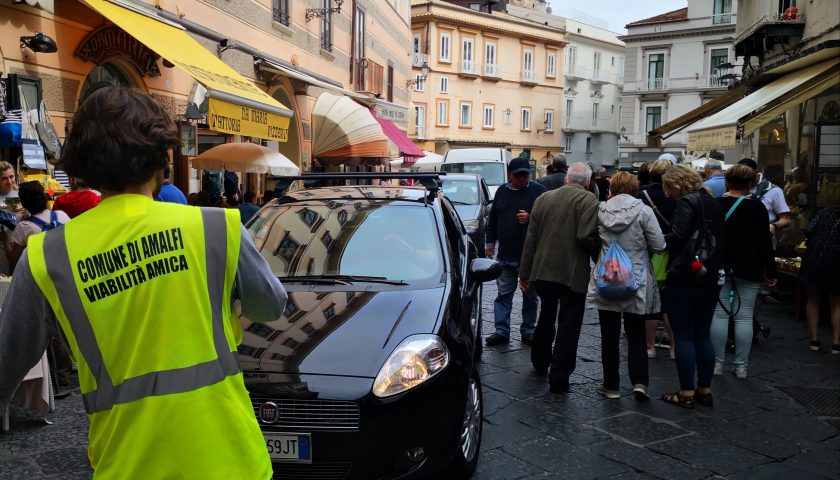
702 245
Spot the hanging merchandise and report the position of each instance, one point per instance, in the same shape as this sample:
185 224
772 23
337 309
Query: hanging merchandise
33 154
48 135
11 128
2 99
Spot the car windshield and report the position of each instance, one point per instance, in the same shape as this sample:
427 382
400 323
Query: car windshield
351 238
461 191
492 172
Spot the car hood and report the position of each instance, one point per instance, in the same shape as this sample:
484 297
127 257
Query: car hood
340 333
468 212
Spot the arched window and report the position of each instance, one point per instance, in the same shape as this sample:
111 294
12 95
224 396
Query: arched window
105 75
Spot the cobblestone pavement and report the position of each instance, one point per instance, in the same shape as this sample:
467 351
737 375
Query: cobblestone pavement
754 431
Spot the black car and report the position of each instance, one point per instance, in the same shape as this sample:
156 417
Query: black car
471 197
370 373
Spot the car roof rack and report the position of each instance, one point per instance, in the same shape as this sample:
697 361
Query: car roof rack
429 180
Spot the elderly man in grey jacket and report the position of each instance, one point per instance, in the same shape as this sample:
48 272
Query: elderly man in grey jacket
562 237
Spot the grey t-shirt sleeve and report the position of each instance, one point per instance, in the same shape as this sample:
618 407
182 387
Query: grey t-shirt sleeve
27 323
262 295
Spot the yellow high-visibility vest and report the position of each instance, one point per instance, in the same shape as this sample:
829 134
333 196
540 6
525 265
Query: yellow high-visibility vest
142 292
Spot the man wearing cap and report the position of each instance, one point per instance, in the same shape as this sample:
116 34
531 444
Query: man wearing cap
508 224
558 175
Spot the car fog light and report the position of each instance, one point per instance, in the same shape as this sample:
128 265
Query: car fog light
415 454
417 359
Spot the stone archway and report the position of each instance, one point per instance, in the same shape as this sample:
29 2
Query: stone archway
107 74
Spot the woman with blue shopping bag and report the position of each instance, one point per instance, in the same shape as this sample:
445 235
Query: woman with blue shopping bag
622 284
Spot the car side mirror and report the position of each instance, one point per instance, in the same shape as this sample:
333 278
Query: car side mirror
485 269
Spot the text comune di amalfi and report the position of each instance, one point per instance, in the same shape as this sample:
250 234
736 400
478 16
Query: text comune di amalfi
135 262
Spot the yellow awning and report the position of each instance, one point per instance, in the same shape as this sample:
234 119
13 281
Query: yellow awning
761 106
236 106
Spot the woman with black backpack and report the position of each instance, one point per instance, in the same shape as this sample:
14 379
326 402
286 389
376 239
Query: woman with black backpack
694 247
819 273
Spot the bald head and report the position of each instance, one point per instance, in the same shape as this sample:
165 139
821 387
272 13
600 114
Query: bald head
579 173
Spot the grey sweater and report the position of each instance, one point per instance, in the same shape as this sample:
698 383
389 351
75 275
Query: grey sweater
27 321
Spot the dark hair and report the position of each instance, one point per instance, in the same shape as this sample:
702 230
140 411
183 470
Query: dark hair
32 197
249 197
644 173
166 170
740 177
748 162
120 138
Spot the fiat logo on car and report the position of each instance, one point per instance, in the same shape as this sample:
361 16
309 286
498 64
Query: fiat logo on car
269 412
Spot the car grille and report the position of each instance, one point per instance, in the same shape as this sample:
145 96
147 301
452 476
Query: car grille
321 471
311 415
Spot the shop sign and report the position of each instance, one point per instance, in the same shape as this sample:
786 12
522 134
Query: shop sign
724 138
393 113
250 122
111 41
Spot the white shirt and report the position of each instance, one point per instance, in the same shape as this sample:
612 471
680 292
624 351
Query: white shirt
26 228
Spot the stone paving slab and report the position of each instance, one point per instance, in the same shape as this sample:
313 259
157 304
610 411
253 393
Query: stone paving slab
647 461
565 460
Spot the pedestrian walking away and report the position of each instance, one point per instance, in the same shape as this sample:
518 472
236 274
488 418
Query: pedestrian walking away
695 260
748 262
562 238
819 274
557 174
142 292
625 221
507 224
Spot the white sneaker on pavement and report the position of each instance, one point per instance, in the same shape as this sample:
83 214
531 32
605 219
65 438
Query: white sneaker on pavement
740 371
651 352
718 368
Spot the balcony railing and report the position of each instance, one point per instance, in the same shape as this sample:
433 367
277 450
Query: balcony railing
722 18
528 76
601 76
418 59
775 18
469 67
577 123
576 71
639 138
491 70
420 131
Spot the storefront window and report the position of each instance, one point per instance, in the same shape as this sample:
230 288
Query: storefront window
105 75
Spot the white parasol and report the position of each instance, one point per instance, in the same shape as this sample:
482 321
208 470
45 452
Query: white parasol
246 158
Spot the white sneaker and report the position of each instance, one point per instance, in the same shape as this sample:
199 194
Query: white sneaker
641 393
672 353
651 352
718 368
740 371
612 394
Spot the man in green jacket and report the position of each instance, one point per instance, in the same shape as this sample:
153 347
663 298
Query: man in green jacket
562 237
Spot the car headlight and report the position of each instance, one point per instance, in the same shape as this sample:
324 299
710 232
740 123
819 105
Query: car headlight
471 225
417 359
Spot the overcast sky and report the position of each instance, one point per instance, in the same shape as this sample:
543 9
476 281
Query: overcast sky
618 13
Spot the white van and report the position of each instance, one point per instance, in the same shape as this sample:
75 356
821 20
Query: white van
490 163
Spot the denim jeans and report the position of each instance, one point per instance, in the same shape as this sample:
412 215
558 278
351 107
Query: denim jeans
690 311
747 291
508 283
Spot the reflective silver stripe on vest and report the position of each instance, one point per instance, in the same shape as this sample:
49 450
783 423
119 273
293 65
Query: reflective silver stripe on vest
180 380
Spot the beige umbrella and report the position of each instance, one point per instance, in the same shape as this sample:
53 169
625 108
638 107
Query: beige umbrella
246 158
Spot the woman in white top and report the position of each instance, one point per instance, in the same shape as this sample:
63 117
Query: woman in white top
33 198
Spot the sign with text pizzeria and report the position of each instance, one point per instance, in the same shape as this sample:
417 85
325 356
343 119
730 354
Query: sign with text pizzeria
237 106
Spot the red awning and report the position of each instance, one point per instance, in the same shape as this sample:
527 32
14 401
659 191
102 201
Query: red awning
409 151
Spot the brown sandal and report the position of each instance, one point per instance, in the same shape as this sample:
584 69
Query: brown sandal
676 398
704 399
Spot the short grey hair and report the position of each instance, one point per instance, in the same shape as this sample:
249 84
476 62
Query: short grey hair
579 173
712 164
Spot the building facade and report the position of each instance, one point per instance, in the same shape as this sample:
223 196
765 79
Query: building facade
493 80
675 62
293 50
593 76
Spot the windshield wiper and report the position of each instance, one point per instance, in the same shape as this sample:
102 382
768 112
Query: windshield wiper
458 202
344 279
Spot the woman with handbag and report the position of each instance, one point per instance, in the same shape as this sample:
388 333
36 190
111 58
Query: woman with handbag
627 222
694 245
819 273
663 206
748 261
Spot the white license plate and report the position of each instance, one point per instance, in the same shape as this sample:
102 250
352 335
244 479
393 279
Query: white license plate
286 447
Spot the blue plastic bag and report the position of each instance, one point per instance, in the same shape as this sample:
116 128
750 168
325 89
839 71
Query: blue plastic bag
616 278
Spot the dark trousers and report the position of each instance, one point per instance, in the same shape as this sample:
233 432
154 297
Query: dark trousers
690 312
637 362
569 318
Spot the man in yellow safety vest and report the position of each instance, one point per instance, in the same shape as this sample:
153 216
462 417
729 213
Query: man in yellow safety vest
142 292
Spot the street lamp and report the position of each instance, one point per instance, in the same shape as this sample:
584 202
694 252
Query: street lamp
425 70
